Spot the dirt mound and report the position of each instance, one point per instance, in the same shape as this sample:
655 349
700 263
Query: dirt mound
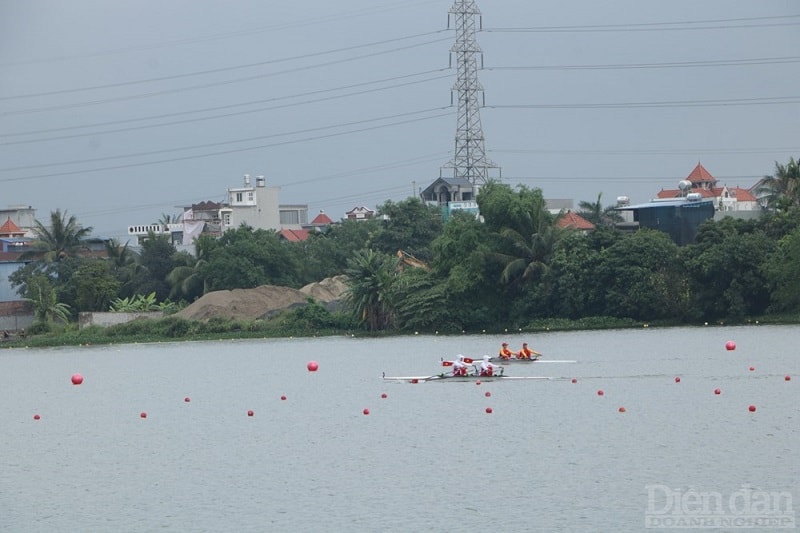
263 301
327 290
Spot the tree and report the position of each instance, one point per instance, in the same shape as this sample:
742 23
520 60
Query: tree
463 264
725 269
409 225
640 277
596 214
155 264
371 289
95 285
46 307
781 191
186 280
783 275
62 239
245 258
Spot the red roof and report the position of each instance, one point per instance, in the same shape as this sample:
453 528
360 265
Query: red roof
700 174
322 219
570 220
744 195
295 235
9 228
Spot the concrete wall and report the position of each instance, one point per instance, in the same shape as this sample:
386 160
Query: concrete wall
15 315
111 319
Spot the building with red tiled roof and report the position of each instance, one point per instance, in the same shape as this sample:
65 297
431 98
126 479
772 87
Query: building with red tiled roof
9 229
701 184
294 235
574 221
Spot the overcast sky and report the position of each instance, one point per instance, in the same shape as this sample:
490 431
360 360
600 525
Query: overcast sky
122 111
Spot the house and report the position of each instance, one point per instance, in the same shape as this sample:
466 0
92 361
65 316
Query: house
9 229
252 204
573 221
360 213
22 216
728 201
451 194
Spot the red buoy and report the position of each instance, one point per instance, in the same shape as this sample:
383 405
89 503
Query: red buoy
752 408
677 379
283 397
487 394
717 392
250 413
730 345
752 368
622 409
787 377
478 382
384 396
187 399
36 417
489 410
143 415
600 392
312 366
574 380
77 379
365 411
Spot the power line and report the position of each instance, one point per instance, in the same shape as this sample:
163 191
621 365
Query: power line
710 24
770 100
218 153
225 35
221 143
671 64
217 70
650 151
212 84
213 117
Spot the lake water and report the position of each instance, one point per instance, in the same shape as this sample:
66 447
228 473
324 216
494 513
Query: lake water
552 456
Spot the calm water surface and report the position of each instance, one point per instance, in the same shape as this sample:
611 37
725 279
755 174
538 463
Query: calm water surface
552 456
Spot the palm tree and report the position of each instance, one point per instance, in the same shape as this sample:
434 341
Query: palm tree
782 189
371 279
166 219
62 239
533 243
46 307
119 255
596 214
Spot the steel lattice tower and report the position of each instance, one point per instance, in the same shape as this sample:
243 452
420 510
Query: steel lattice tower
470 159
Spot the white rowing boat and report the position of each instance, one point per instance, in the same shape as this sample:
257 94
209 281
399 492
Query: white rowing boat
469 377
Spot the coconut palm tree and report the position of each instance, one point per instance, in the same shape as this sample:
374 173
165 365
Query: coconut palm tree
371 286
781 190
596 214
62 239
532 244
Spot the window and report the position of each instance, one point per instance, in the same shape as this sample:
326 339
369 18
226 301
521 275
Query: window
250 196
226 219
238 197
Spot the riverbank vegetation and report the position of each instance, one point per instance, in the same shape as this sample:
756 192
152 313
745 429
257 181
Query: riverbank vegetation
514 270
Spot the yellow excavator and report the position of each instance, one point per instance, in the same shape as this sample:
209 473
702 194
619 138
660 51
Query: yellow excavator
406 259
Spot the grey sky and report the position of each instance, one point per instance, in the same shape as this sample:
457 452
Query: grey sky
121 111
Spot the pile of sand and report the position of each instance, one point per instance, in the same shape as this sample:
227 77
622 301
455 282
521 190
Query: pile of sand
263 301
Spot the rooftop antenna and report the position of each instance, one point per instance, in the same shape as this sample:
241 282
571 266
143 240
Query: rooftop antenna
470 161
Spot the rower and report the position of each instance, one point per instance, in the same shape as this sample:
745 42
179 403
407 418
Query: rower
487 368
527 353
505 353
460 366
